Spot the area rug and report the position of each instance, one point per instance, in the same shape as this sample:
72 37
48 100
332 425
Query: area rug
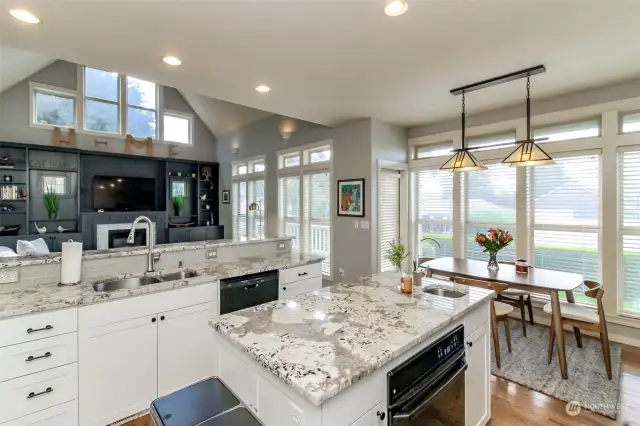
587 384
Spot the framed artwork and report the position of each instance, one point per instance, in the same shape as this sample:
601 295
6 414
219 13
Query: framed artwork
226 196
351 197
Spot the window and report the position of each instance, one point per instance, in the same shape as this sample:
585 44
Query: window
256 166
239 207
567 131
291 160
630 122
489 202
564 204
248 199
317 224
289 207
177 128
389 214
491 141
239 169
629 257
319 155
255 216
433 150
101 101
141 108
433 210
178 189
53 108
54 184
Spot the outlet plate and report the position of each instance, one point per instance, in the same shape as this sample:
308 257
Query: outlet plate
212 254
9 276
281 246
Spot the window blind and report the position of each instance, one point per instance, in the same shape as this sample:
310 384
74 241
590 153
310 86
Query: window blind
434 150
389 214
490 202
289 207
433 209
239 207
566 216
490 141
316 232
629 261
630 122
255 218
567 131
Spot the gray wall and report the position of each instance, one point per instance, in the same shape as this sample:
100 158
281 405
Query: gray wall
263 137
14 117
610 93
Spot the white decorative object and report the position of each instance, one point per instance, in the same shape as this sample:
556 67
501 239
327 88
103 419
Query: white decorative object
30 248
71 262
42 230
102 233
203 197
61 229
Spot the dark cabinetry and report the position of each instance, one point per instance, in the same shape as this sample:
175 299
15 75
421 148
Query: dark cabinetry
199 233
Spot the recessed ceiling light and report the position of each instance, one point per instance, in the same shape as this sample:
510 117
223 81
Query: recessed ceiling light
395 7
172 60
24 16
263 89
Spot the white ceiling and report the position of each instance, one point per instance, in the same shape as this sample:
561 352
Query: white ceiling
16 64
332 61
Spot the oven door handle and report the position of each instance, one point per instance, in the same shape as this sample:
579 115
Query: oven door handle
440 388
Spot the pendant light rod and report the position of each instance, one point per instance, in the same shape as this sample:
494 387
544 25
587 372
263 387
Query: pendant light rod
463 120
539 69
528 107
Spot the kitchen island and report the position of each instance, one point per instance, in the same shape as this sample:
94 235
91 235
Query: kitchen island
322 358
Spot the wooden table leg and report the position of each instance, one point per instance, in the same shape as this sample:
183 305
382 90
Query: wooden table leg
557 324
576 330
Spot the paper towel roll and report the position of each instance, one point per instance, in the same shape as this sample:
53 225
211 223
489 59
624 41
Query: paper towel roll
71 262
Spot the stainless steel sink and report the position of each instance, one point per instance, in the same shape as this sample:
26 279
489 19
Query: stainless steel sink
180 275
113 285
443 291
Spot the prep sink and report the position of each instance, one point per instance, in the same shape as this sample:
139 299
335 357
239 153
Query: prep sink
119 284
443 291
113 285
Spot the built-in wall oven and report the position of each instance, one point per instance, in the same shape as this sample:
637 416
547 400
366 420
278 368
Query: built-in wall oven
428 388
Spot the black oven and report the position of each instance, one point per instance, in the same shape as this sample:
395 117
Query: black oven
428 388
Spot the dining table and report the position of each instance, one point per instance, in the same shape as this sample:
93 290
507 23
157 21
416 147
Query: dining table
536 280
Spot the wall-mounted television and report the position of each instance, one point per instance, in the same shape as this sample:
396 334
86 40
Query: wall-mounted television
123 194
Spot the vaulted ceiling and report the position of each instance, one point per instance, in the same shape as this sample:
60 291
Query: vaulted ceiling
329 61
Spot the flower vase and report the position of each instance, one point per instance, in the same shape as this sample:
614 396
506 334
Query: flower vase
493 261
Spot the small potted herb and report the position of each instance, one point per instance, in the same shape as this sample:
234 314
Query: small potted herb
396 254
51 202
178 203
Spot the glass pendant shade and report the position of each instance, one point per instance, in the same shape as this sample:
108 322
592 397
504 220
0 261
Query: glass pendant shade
528 153
463 161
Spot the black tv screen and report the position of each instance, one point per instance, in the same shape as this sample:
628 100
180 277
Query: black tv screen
121 193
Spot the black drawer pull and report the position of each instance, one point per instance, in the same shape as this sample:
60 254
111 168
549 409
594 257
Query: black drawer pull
33 394
33 330
302 274
33 358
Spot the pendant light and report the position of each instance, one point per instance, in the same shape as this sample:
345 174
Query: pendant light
528 153
463 160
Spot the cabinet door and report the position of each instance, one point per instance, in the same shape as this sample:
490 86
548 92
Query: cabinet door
179 235
197 234
61 415
118 365
185 347
478 378
377 416
214 232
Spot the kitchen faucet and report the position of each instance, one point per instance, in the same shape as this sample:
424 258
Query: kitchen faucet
151 257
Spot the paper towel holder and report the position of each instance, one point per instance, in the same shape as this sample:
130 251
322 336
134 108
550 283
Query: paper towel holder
60 284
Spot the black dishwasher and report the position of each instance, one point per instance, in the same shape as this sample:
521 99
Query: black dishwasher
247 291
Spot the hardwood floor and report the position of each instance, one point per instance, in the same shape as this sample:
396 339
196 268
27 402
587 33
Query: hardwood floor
515 405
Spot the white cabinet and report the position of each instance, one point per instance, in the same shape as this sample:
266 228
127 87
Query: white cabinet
292 289
299 280
185 347
239 377
377 416
61 415
118 369
478 378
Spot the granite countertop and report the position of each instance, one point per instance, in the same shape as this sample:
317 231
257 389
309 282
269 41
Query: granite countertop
322 342
46 297
16 261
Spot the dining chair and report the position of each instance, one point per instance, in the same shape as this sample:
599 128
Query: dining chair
518 299
581 317
499 312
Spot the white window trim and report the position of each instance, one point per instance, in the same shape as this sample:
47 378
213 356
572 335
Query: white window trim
183 115
53 90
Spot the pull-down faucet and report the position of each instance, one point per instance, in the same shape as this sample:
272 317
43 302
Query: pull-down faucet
151 257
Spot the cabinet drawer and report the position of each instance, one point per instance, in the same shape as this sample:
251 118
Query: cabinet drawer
476 318
39 355
300 273
287 291
38 326
61 415
35 392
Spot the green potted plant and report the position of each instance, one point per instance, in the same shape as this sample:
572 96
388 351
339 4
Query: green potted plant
396 254
178 203
51 202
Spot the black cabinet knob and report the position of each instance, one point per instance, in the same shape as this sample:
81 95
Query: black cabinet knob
470 344
162 318
381 415
153 319
284 288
